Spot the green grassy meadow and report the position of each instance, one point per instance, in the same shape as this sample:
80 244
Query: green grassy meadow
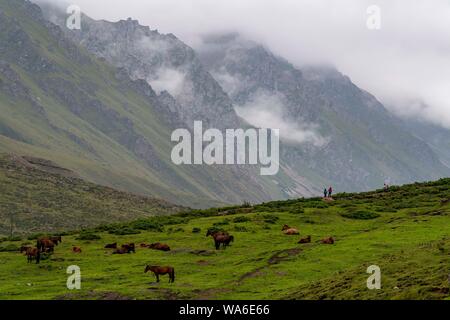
405 231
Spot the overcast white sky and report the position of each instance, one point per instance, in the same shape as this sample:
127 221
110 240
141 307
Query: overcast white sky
405 64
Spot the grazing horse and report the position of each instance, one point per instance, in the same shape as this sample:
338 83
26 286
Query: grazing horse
24 249
222 238
130 247
161 271
144 245
33 254
111 246
159 246
120 251
329 240
76 250
45 245
126 248
289 231
305 240
56 239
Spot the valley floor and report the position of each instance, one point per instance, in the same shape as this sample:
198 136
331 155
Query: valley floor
406 232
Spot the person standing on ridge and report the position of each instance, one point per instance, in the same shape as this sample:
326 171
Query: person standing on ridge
330 192
325 192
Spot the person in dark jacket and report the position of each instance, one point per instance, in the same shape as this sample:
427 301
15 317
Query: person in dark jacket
325 192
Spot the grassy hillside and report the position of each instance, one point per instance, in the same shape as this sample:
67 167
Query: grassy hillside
405 231
39 196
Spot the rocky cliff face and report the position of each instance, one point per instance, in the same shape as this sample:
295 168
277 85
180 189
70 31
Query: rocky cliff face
166 63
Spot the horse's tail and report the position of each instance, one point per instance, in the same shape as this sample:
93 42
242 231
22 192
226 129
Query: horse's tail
231 238
38 256
172 274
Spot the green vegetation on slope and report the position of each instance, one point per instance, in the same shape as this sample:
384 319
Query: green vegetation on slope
41 197
408 237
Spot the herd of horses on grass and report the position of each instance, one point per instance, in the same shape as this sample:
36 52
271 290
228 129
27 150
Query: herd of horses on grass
221 238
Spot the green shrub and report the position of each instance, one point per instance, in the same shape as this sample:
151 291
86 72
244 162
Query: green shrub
13 239
215 229
241 219
196 230
147 225
240 229
222 223
360 215
270 218
123 231
34 236
9 248
297 210
88 236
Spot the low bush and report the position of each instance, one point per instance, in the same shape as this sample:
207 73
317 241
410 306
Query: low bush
241 219
88 236
360 215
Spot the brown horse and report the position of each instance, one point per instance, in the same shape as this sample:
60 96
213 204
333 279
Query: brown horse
76 250
125 248
329 240
45 245
130 247
159 246
305 240
222 238
289 231
33 254
161 271
56 239
111 246
24 249
120 251
144 245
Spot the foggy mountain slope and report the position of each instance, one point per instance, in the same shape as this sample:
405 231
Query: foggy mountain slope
59 102
356 143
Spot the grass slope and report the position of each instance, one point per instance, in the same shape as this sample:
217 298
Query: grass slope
405 231
42 197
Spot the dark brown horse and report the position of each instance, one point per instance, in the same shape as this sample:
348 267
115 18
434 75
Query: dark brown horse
120 251
111 246
157 271
33 254
221 238
329 240
45 245
76 250
125 248
130 247
159 246
305 240
24 249
56 239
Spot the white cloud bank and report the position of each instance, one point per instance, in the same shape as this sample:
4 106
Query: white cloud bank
268 111
406 63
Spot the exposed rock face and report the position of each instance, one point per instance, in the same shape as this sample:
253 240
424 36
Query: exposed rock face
166 63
